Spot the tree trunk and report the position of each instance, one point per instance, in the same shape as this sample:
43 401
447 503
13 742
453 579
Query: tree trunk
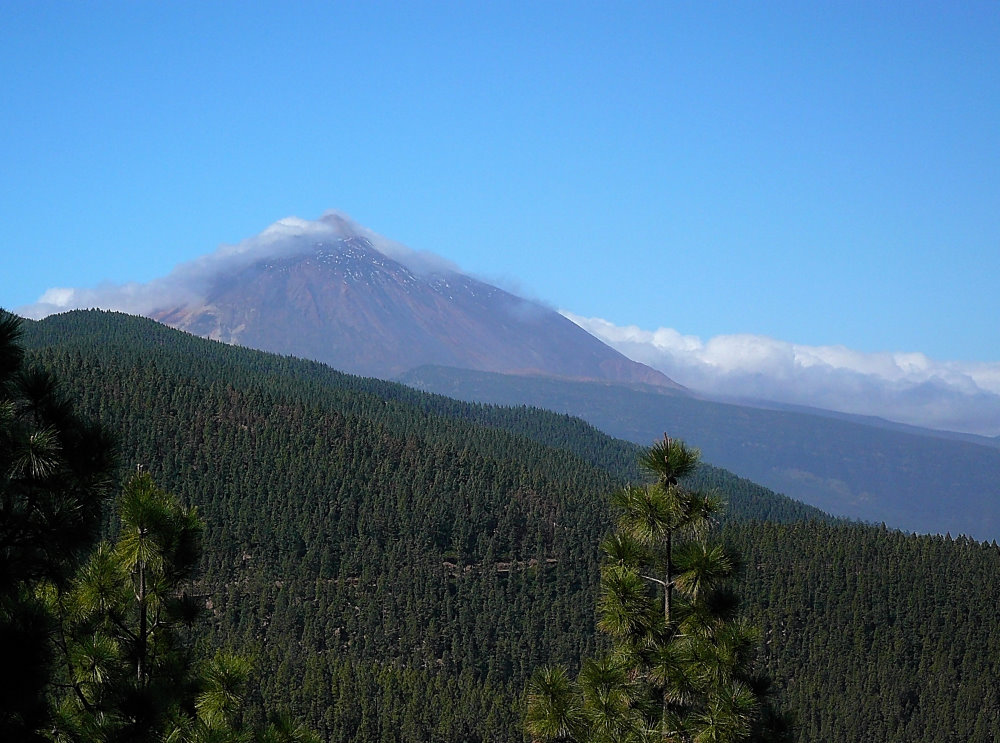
668 587
140 663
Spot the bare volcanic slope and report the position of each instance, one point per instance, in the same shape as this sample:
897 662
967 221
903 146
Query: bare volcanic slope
332 296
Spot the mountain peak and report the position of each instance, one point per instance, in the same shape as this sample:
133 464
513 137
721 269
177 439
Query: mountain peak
337 292
341 222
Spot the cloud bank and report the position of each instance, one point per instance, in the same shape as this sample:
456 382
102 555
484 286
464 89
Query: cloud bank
189 282
903 387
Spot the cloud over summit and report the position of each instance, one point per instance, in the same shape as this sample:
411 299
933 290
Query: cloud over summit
904 387
189 282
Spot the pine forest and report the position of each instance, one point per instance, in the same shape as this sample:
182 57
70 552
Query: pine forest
395 566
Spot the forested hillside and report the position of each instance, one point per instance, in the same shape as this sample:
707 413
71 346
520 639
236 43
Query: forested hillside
398 563
913 479
877 635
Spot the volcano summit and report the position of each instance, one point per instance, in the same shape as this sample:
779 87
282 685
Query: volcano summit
335 292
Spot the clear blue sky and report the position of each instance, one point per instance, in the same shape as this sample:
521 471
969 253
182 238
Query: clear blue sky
822 173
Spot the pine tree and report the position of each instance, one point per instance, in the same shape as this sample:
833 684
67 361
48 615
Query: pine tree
681 663
127 643
55 474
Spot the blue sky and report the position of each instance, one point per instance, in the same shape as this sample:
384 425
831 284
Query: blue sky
819 173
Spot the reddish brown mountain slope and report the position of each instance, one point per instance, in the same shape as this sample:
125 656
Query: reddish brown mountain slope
346 304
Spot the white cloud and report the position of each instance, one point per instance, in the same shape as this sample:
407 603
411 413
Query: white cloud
905 387
189 282
134 298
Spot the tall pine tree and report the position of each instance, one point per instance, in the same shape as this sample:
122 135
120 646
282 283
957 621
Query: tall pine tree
681 664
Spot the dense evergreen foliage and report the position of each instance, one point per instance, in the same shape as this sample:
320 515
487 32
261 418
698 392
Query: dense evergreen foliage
56 470
877 635
398 563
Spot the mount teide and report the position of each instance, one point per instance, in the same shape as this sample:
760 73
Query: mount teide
337 299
